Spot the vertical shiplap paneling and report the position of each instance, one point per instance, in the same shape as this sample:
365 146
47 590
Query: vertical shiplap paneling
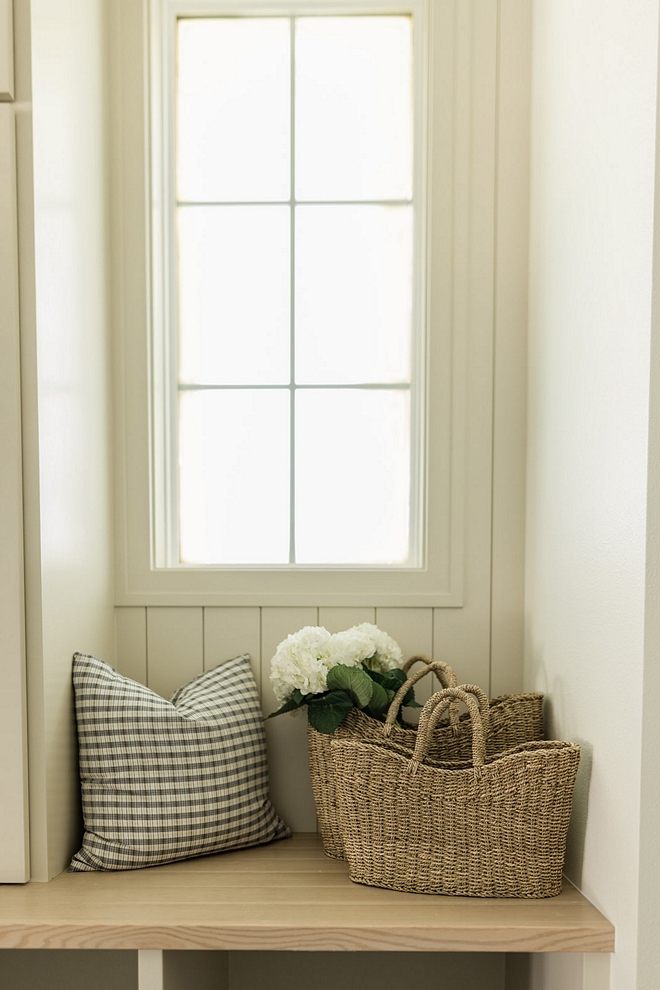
412 628
228 632
338 619
131 637
175 647
510 369
463 644
462 635
290 787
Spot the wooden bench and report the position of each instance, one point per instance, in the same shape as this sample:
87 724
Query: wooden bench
285 896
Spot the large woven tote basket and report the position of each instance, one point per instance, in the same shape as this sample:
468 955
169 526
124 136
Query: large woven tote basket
514 719
488 827
361 726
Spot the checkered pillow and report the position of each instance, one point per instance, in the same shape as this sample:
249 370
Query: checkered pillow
164 780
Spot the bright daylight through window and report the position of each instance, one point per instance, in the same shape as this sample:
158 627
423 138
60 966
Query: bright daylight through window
296 258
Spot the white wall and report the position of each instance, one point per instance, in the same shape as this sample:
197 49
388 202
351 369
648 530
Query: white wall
66 374
648 954
592 201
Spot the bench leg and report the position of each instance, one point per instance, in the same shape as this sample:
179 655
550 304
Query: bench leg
150 969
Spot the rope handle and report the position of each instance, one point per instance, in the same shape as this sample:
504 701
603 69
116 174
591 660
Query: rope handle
434 717
449 680
433 710
452 680
446 676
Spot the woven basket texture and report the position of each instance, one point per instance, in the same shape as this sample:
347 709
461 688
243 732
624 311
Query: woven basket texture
362 726
514 719
494 826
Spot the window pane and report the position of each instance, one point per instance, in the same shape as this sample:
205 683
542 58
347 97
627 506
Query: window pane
353 294
353 108
353 471
234 476
234 289
233 109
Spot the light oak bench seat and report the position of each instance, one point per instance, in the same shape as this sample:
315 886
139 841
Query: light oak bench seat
285 896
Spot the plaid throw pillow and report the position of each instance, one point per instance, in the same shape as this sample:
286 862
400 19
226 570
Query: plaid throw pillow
164 780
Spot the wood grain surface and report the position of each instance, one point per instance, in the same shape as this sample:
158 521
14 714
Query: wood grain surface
285 896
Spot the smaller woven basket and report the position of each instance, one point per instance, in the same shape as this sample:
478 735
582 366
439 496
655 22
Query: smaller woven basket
486 827
359 725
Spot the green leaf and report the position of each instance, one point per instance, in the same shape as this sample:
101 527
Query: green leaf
380 699
327 711
374 674
295 701
367 660
354 681
392 680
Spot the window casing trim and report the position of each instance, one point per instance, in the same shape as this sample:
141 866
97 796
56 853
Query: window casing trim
140 359
165 529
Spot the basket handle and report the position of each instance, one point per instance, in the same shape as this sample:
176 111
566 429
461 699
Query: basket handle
452 680
433 716
446 676
434 709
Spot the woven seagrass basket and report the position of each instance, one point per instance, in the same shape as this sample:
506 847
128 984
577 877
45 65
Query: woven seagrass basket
486 827
514 719
360 725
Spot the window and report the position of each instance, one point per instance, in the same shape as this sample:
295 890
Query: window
298 321
276 402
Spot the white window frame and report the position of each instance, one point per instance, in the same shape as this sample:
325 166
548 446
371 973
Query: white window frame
165 550
458 312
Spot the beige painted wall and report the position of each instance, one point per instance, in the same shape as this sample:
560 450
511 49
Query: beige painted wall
63 158
484 95
166 646
592 204
66 394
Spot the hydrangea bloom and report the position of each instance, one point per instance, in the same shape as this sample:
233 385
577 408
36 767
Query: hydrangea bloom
350 647
301 661
385 651
304 658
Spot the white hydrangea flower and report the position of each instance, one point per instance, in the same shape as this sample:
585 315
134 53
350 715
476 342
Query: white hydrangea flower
301 661
304 658
385 652
350 647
